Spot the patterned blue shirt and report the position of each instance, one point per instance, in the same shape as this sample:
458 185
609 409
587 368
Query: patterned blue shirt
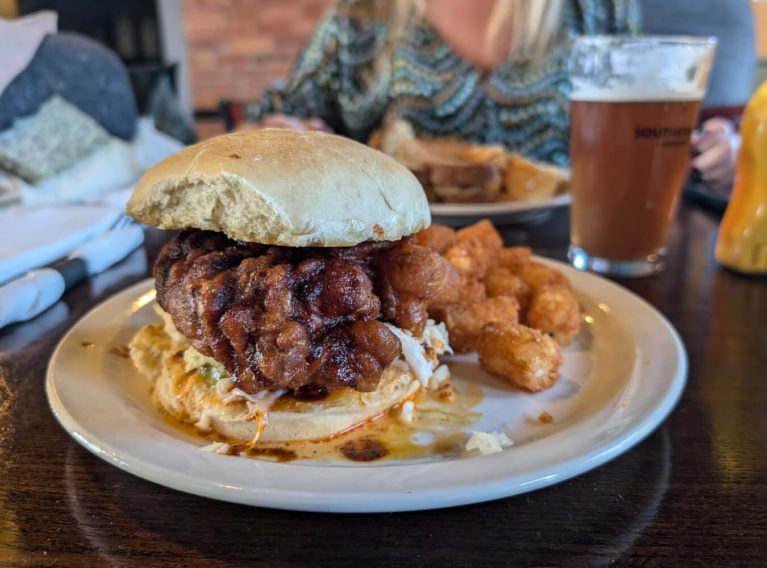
520 104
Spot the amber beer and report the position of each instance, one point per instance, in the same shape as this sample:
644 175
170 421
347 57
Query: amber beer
629 161
634 103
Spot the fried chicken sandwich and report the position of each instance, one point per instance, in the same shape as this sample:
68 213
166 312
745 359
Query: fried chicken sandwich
294 300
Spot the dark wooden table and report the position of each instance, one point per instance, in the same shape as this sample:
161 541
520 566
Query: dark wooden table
694 493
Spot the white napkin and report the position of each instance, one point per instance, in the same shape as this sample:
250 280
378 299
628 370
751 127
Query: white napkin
115 199
29 295
35 236
117 165
45 325
19 40
37 290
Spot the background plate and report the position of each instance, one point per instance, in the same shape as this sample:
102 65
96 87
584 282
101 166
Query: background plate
501 213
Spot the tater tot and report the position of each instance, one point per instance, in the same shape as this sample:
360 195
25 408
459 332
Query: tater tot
514 257
514 311
464 262
438 237
501 282
476 250
471 262
471 292
467 293
464 322
483 233
537 275
554 310
522 356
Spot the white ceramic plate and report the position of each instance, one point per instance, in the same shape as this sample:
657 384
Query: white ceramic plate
622 376
500 213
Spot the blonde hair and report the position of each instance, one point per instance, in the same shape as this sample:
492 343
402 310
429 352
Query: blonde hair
534 24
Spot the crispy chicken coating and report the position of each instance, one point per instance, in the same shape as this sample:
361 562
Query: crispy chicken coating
279 317
411 279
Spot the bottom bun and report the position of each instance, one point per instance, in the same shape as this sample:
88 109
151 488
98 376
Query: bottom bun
189 387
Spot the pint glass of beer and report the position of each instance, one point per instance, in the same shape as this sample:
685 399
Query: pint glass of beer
634 104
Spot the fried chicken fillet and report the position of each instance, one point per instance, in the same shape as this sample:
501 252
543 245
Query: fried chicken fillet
286 318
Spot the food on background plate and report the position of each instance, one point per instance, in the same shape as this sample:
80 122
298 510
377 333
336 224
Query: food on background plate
455 171
294 300
514 311
526 180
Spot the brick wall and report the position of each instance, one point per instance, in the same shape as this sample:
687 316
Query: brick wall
237 48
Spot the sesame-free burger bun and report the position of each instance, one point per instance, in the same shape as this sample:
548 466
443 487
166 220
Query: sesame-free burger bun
283 187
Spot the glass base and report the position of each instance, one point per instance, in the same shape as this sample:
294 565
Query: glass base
651 264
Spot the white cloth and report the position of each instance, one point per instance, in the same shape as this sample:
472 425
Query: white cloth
36 291
19 40
45 324
30 295
102 252
117 165
115 199
36 236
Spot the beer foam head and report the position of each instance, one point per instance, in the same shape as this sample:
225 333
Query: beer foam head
640 68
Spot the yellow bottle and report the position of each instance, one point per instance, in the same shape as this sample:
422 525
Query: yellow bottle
742 241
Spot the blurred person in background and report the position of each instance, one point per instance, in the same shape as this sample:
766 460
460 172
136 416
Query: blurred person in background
716 142
486 71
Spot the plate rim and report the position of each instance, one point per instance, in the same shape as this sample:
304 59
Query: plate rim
401 500
496 207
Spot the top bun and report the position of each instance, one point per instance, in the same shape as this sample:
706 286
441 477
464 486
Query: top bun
283 187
